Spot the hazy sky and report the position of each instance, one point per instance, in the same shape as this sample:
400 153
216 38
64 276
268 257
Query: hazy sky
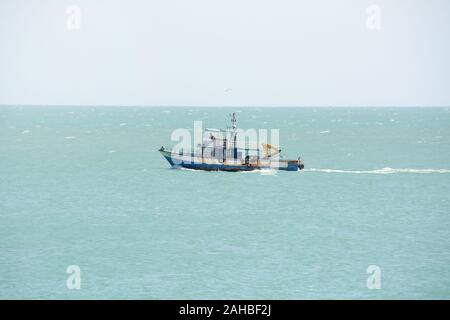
225 52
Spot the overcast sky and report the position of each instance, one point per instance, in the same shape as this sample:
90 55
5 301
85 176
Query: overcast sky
225 52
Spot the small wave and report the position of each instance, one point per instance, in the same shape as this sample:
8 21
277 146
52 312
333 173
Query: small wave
386 170
264 172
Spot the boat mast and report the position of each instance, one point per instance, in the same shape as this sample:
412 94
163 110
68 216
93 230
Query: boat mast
233 126
233 121
224 150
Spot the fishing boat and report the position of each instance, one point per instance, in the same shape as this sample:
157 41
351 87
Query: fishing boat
220 151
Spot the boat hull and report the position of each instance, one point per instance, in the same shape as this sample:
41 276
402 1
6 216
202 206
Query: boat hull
195 163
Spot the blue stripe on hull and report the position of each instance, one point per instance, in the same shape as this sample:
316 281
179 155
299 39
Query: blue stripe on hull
215 167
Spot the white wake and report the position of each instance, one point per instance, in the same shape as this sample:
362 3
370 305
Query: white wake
386 170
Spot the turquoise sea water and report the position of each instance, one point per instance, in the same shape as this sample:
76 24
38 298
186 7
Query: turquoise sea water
86 186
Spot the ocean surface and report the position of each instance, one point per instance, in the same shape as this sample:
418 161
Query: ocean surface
86 186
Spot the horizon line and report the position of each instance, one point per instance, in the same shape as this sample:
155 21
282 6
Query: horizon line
222 106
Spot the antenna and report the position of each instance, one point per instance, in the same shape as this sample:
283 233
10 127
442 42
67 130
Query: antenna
233 120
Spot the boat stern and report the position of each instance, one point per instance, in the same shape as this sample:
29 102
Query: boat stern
291 165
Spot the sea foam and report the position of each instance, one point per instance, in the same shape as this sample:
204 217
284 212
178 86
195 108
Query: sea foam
386 170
